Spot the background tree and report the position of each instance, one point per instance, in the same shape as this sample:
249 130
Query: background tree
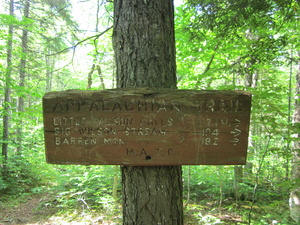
7 88
295 193
22 75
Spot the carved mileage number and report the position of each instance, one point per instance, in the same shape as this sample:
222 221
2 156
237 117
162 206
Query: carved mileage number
210 135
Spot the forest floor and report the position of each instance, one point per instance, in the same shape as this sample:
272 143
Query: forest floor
25 211
36 210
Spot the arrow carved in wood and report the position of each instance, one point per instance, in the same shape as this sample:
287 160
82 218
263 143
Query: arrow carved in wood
236 132
237 122
235 141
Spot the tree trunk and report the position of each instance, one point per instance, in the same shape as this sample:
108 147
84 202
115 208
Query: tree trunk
100 77
115 184
90 79
295 193
144 46
144 43
49 59
152 195
7 89
238 178
22 75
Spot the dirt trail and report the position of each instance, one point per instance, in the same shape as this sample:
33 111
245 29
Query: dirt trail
35 211
29 212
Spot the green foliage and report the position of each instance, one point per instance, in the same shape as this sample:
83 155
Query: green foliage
22 176
224 43
85 188
8 19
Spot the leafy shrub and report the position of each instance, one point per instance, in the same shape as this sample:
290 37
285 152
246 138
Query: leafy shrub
86 187
21 175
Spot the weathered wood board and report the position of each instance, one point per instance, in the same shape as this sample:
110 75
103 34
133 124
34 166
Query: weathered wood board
146 127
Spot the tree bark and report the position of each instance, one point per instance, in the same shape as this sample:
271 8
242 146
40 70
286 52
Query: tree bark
144 43
90 80
22 74
49 59
115 184
144 46
238 179
295 193
7 89
100 77
152 195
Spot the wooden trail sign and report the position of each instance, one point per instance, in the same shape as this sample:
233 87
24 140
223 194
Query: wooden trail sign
146 127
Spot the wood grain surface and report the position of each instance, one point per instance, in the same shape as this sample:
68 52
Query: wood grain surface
145 127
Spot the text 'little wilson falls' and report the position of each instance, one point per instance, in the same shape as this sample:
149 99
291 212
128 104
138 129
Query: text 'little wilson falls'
147 127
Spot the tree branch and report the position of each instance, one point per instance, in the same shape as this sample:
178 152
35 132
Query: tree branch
82 41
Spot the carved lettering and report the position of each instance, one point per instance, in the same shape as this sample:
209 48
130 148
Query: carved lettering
238 106
142 105
68 105
69 121
75 141
113 141
175 106
219 106
129 152
210 105
145 127
156 122
222 106
224 122
148 105
62 131
58 106
143 152
94 107
117 121
117 106
129 105
158 152
106 131
144 131
162 106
